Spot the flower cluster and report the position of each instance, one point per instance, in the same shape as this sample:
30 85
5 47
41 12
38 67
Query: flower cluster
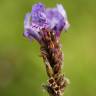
39 18
45 25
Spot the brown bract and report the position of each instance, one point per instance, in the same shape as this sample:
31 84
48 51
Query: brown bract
52 56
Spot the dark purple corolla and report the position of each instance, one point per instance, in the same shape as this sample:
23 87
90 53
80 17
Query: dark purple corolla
54 19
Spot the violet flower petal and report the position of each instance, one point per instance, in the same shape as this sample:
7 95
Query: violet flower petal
38 14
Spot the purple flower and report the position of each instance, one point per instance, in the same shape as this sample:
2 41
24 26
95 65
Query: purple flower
48 18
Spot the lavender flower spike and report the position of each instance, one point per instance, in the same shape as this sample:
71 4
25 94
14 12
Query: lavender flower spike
45 25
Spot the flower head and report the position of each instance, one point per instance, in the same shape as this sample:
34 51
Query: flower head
39 18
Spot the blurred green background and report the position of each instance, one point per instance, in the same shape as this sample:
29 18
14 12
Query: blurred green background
22 70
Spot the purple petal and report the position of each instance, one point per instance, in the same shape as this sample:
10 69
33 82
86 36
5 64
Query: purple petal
62 11
31 30
55 19
27 21
38 14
